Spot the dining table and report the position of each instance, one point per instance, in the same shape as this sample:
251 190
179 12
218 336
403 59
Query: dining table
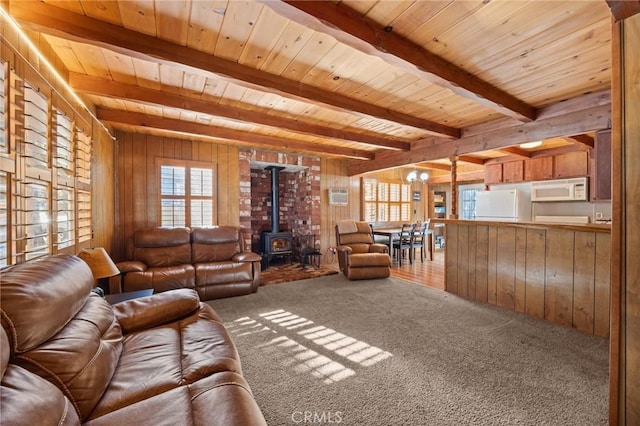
393 234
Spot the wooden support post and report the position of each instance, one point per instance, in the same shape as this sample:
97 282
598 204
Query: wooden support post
454 188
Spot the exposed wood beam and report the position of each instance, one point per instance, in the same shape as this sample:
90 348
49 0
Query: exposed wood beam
581 121
348 27
460 177
583 139
559 150
472 159
62 23
434 166
623 9
99 86
190 128
516 151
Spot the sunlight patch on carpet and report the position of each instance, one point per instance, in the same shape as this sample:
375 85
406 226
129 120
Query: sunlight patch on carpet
302 358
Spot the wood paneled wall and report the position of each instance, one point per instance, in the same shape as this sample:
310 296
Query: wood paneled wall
137 188
333 174
556 274
103 189
624 372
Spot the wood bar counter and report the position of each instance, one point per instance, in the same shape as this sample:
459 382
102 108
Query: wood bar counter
560 273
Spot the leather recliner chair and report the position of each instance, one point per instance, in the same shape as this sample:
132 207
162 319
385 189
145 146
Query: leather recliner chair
359 257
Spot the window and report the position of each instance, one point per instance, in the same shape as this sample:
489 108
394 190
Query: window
33 227
468 197
64 206
386 201
45 171
186 194
4 220
36 142
3 109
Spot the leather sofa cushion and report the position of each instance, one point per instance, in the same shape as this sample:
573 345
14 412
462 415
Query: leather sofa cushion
161 278
160 359
27 399
82 357
219 400
215 244
365 260
64 281
223 272
162 246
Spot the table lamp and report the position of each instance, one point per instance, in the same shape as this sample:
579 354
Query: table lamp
101 266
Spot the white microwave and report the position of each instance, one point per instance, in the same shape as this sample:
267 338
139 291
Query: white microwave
560 190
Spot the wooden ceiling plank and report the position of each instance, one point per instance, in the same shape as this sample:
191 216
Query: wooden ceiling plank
267 29
581 121
237 26
86 84
150 121
138 16
204 24
172 20
54 20
291 42
368 37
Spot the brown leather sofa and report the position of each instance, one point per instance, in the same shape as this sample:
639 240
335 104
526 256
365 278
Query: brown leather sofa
213 261
70 358
359 258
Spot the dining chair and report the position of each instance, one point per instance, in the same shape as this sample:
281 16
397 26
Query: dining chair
420 239
404 242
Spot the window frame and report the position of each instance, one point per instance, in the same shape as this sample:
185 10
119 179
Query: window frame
383 202
188 165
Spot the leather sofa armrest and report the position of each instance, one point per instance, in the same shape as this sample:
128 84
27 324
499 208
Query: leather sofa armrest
131 266
246 257
344 249
152 311
378 248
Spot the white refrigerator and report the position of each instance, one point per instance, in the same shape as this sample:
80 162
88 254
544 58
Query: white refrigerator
504 205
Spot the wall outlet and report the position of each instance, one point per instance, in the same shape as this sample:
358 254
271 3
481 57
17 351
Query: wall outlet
599 216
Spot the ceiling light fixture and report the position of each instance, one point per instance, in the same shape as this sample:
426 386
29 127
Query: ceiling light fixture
528 145
413 176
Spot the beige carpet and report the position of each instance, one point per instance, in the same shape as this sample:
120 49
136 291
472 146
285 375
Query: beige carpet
389 352
282 273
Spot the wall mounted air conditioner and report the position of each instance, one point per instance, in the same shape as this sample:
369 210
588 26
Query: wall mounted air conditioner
338 197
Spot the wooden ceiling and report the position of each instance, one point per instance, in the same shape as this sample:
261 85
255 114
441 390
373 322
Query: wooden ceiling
382 83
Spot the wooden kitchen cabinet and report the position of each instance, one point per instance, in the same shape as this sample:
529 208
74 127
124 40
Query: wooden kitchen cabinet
540 168
513 171
571 164
601 176
492 173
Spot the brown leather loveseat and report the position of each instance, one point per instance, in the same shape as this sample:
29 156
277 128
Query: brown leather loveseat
70 358
213 261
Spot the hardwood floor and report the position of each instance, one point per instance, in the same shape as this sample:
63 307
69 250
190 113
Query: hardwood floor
429 272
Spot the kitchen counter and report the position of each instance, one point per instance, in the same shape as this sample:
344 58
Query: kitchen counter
595 227
556 272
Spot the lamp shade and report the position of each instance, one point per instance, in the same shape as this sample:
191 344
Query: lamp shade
99 261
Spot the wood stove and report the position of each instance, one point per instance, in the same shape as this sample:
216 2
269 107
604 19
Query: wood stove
274 243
